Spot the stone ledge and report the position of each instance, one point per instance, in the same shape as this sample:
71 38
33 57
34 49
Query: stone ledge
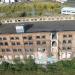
36 19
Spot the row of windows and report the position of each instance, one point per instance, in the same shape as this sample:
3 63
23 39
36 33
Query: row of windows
29 38
29 50
15 43
38 49
4 38
9 50
25 43
20 50
67 41
5 43
17 38
39 42
5 50
17 50
30 43
67 48
65 36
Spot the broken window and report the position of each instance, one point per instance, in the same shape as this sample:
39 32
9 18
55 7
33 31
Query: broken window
54 43
54 36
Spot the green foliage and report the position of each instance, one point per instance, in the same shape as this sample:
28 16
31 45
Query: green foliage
29 67
27 9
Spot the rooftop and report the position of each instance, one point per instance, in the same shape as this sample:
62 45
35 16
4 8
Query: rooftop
46 26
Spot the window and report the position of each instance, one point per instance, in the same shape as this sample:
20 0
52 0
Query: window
54 35
24 37
7 50
17 38
26 43
64 36
3 50
18 43
69 41
43 37
6 43
38 42
54 43
30 38
1 43
37 37
14 50
64 48
26 50
30 43
12 38
0 38
4 38
70 35
64 41
19 50
43 49
13 43
69 48
31 50
44 42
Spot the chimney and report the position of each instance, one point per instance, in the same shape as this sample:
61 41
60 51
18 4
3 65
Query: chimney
19 29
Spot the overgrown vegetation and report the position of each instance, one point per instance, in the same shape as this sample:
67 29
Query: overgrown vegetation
29 67
30 9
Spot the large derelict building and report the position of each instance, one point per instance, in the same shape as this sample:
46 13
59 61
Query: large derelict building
40 40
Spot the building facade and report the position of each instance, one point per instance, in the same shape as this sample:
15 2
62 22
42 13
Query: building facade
40 40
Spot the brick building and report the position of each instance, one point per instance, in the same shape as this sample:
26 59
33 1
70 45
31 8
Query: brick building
38 40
